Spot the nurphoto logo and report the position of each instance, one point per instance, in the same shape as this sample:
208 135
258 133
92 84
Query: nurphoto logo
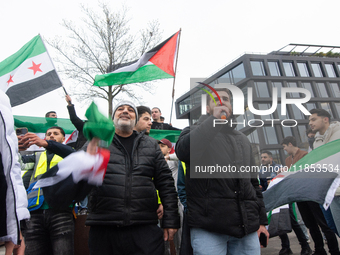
238 104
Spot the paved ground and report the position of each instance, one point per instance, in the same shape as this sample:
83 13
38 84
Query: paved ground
273 247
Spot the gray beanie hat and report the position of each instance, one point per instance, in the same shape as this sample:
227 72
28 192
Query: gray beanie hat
125 102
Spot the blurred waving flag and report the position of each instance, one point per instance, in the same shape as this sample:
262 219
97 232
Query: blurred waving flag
28 73
315 177
157 63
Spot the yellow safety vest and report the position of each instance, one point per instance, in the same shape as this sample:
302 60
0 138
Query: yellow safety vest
40 167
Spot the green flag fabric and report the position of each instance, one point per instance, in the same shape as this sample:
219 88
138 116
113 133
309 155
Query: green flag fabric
98 125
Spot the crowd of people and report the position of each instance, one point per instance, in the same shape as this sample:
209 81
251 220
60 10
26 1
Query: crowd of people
150 201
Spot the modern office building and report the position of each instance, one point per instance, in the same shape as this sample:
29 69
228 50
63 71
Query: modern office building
313 67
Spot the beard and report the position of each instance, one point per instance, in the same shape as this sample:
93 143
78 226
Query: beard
125 126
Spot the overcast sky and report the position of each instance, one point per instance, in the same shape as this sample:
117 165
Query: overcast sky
214 33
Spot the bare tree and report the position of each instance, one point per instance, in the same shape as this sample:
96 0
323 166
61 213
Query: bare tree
104 43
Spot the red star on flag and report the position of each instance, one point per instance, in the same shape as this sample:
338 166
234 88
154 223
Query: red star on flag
10 80
35 68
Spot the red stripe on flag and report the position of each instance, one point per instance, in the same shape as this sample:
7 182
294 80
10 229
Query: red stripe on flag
164 58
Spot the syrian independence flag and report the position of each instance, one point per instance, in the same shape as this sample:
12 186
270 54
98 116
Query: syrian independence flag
73 177
157 63
39 126
28 73
315 177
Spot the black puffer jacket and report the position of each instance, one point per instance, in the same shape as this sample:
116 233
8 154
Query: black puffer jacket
227 203
128 195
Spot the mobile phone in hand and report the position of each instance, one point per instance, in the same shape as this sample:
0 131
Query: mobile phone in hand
263 239
21 131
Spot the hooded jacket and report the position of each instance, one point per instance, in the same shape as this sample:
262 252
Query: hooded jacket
128 194
332 133
13 194
232 203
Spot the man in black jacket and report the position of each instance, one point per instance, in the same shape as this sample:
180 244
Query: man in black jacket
226 212
122 212
157 123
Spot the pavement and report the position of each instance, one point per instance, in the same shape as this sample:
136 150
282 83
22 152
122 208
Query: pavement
273 248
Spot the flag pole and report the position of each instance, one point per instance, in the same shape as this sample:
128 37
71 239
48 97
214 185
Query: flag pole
173 85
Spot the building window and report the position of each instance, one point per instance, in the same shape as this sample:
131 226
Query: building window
293 85
287 131
310 106
265 107
225 78
298 115
249 115
253 137
185 105
270 135
309 87
261 89
327 107
330 70
279 112
274 68
337 108
257 68
335 89
321 88
303 69
289 69
238 73
317 70
302 132
278 85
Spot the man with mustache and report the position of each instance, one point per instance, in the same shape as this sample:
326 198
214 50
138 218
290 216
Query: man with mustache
123 211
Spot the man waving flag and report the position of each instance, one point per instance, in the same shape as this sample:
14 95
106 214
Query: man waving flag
28 73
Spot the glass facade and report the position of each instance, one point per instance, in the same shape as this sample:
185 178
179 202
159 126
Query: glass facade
238 73
278 85
327 107
308 85
270 136
261 89
303 69
274 69
289 69
321 88
317 70
335 89
257 68
330 70
265 107
279 112
319 75
233 76
293 85
337 108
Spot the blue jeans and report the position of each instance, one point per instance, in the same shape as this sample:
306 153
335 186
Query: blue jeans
50 232
204 242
